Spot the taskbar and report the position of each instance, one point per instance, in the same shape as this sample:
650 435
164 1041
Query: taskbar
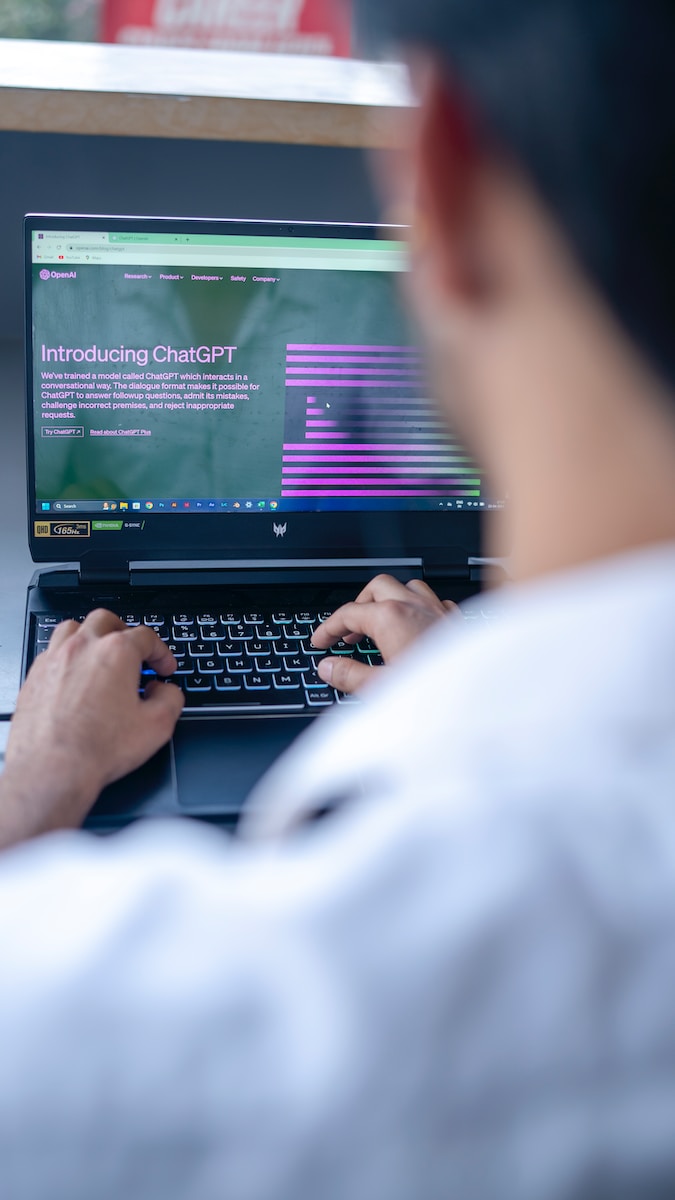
340 503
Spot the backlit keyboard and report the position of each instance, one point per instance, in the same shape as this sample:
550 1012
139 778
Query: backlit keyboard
240 661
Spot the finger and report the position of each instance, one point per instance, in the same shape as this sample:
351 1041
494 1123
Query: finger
345 674
62 633
451 607
100 621
382 587
151 649
423 590
357 618
165 701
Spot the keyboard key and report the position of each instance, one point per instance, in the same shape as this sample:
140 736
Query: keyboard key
230 618
154 620
238 666
241 632
212 633
253 618
287 695
298 663
372 660
209 666
130 619
266 665
310 680
257 683
319 698
268 632
228 647
283 617
342 647
305 618
200 649
241 701
257 647
314 660
282 647
295 631
45 622
308 648
207 619
228 683
197 683
183 619
183 633
346 698
43 635
284 683
184 667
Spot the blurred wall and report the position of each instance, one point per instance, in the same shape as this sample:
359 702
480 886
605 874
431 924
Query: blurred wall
160 177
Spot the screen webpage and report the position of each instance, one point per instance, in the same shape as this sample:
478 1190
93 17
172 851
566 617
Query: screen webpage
223 373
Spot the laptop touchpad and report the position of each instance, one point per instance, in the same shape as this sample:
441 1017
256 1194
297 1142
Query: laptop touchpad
218 762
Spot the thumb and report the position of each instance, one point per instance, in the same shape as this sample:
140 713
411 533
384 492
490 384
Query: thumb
344 673
163 703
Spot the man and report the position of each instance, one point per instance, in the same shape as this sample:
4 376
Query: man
459 983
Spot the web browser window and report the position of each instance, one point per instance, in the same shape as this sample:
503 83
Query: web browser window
196 372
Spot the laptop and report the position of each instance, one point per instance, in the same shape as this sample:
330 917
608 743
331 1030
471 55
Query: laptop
229 432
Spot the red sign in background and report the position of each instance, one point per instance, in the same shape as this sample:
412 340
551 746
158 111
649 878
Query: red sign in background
287 26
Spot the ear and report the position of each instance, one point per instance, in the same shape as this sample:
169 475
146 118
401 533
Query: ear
446 160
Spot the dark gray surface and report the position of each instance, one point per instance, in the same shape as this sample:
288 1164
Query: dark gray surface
160 177
17 566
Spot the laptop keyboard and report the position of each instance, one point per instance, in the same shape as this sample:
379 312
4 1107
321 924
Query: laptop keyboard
240 661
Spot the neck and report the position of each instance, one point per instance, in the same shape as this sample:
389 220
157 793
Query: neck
590 453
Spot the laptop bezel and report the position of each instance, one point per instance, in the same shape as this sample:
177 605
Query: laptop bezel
454 535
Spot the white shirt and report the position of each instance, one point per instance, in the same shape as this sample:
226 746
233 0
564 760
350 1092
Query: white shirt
459 985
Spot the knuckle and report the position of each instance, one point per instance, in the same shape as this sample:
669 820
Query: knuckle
114 646
96 614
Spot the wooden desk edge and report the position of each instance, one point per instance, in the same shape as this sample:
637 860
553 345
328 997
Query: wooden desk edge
32 110
132 91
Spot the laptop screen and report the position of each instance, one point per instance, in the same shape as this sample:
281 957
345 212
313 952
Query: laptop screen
186 368
199 372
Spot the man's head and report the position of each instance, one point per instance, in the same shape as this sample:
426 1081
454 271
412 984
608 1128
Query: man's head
539 181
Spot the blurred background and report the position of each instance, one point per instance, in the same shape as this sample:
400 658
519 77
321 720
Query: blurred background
285 26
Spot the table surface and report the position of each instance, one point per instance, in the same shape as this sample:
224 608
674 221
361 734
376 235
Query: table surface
138 91
17 566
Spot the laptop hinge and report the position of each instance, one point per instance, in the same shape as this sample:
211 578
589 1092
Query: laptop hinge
474 571
101 568
456 574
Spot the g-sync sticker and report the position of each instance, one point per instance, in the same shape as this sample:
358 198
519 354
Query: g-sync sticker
60 529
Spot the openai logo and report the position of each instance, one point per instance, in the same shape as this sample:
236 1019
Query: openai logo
44 273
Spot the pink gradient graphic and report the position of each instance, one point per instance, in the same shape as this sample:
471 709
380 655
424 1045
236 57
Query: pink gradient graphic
330 462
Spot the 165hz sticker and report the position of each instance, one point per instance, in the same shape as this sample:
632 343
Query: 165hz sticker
61 529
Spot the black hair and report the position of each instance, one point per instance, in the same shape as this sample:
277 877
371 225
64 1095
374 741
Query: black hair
581 93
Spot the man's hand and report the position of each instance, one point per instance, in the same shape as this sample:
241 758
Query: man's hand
80 723
393 614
